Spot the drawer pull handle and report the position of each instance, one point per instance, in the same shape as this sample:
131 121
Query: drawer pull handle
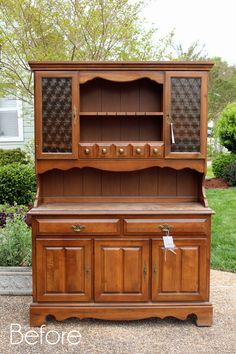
138 151
104 151
78 228
165 227
87 151
155 151
121 151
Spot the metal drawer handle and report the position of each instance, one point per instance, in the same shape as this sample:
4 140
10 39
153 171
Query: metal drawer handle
78 227
165 227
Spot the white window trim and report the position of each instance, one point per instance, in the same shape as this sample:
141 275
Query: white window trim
20 136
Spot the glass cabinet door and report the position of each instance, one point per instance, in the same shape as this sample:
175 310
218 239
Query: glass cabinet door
56 115
186 114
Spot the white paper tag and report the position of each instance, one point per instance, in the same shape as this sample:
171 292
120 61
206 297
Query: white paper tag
168 242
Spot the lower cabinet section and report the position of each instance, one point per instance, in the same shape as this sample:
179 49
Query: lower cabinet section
180 276
64 270
124 270
121 270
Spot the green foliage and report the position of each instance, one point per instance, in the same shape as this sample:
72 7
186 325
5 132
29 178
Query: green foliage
210 173
220 162
29 151
226 127
230 174
17 184
222 87
11 156
211 151
194 52
223 202
71 30
7 210
15 243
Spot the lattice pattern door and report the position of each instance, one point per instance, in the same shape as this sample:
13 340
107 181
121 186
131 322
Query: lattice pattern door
185 113
56 114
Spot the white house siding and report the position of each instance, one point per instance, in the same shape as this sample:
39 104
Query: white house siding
28 129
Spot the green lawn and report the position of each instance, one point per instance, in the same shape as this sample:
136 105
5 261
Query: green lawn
223 250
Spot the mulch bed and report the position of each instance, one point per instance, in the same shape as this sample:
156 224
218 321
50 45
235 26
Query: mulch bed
215 183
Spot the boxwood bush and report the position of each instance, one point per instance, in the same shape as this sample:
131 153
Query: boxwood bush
220 162
17 184
8 157
226 127
230 174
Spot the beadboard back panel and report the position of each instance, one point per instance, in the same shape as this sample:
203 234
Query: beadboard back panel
161 182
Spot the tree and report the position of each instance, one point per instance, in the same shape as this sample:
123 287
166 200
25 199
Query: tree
222 87
226 127
194 52
71 30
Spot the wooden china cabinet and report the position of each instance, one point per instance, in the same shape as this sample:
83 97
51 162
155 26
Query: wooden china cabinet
120 162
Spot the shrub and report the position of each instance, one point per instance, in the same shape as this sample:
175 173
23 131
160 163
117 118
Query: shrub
220 162
230 174
226 127
17 184
8 157
15 243
9 211
29 151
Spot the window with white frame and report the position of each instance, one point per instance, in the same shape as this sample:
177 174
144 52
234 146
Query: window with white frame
11 122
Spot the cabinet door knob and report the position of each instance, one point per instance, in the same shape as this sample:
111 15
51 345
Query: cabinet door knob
86 151
155 151
87 269
121 151
138 151
144 270
104 151
155 268
78 227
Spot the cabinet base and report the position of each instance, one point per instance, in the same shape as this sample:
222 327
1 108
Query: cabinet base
39 312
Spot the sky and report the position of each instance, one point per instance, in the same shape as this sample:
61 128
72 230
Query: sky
212 23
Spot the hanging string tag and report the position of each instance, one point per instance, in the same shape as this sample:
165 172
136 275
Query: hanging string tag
169 243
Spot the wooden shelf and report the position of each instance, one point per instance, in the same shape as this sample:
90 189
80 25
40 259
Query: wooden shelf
115 207
121 113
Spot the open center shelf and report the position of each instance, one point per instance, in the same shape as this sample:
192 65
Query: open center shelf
118 111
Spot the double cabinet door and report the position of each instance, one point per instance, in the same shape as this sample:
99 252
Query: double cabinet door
121 270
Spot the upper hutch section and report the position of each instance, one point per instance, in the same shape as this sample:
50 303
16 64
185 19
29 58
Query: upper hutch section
119 115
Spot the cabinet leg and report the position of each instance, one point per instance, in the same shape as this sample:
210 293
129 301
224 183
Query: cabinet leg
204 319
36 319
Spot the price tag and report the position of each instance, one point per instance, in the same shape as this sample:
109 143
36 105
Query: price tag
169 243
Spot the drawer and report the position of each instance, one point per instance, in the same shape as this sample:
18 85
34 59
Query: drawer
156 150
79 226
152 226
86 150
105 150
139 150
122 150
